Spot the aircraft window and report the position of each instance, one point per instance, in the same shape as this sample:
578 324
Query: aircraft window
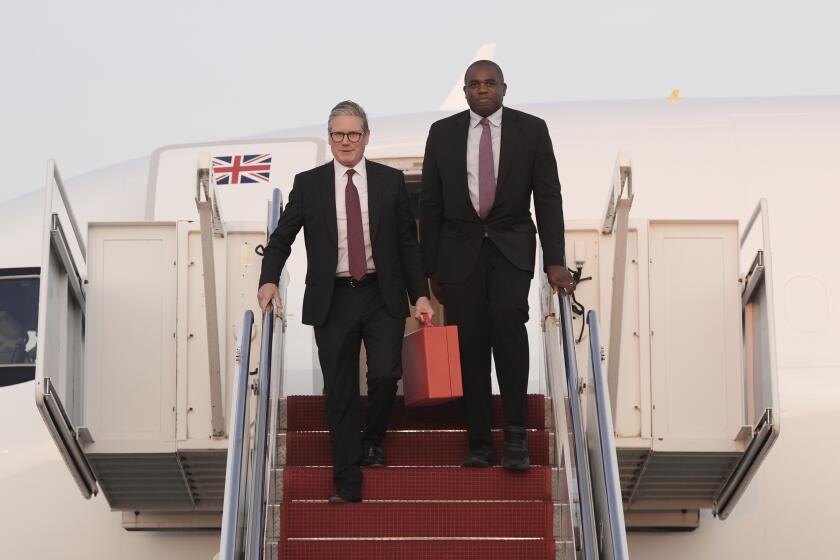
18 325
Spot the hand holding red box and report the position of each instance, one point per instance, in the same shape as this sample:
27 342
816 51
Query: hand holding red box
431 365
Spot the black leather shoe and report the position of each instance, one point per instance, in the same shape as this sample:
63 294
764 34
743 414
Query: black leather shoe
479 458
373 456
516 449
345 496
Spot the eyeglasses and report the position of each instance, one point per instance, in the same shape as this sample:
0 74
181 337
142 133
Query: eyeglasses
338 137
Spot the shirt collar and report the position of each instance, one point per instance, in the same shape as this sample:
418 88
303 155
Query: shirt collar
495 119
360 168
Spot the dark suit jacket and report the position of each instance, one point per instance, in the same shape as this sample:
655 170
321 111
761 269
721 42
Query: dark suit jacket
393 234
451 232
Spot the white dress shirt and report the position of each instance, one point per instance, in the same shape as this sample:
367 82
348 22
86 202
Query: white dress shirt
473 140
360 180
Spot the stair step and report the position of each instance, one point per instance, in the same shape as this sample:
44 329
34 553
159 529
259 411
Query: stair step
429 520
562 522
418 550
418 448
424 483
307 413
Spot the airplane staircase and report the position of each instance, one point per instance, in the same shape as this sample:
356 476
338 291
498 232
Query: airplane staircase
276 466
422 505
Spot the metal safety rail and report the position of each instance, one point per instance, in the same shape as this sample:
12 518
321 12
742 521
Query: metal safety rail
761 385
59 369
587 445
249 461
604 475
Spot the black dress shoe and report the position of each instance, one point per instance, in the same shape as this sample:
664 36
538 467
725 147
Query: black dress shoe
479 458
345 496
373 456
516 449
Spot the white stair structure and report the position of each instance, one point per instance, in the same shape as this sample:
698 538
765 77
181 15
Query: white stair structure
673 411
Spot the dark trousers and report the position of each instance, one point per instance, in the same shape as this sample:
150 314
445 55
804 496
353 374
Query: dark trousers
358 314
490 310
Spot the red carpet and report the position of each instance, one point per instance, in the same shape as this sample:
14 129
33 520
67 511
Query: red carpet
422 506
407 448
430 519
424 484
417 550
307 413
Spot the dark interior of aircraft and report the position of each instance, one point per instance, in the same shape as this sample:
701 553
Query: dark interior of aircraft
18 325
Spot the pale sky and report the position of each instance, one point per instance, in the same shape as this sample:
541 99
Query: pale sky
95 83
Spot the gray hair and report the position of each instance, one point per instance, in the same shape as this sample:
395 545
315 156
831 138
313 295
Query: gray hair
350 109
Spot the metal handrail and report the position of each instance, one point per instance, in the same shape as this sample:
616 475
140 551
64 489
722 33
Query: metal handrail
57 254
588 531
250 462
613 534
762 211
765 419
267 394
234 521
276 357
54 177
259 472
595 495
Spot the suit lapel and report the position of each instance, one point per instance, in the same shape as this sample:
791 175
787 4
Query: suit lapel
460 137
374 191
327 188
510 130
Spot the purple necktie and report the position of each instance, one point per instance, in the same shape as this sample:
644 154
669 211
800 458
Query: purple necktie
355 234
486 174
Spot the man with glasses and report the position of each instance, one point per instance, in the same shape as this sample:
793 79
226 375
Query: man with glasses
362 259
478 240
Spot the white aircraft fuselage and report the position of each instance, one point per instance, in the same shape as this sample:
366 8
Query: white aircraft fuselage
692 159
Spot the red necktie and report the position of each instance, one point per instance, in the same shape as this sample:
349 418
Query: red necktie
486 171
355 234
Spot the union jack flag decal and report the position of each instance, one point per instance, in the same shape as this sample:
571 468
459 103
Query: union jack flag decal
236 170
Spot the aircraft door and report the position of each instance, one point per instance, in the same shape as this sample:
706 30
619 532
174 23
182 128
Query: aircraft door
59 362
761 392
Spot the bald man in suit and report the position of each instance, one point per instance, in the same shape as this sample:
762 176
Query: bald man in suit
480 170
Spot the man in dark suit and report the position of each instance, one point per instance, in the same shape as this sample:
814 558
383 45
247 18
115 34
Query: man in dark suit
362 258
478 241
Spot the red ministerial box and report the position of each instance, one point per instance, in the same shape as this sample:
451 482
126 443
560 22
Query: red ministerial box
431 366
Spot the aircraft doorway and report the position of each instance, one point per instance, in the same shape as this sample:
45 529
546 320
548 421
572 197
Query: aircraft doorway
413 169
